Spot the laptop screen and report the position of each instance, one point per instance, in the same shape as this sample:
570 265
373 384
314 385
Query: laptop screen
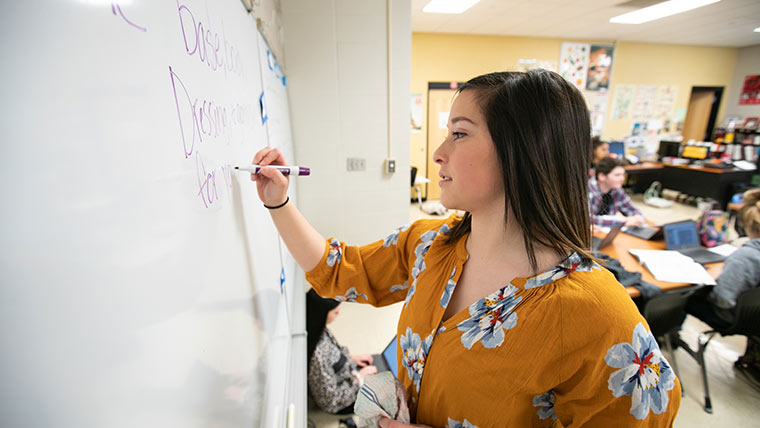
680 235
389 353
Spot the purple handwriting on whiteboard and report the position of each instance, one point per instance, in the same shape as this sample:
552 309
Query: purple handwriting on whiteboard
116 8
211 48
206 182
199 119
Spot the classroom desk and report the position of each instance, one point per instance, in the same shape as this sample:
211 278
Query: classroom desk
624 242
640 176
704 181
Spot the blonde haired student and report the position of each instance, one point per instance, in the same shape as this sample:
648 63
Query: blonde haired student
741 272
506 319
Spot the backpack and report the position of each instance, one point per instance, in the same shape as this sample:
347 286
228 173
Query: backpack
712 228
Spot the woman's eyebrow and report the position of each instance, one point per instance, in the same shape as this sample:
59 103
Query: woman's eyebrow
461 118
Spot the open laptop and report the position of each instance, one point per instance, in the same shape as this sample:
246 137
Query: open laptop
682 237
599 243
643 232
387 360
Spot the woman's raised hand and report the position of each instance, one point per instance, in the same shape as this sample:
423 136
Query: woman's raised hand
271 184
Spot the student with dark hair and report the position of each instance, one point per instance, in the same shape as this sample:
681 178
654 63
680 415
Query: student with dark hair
334 376
506 319
600 149
606 196
741 273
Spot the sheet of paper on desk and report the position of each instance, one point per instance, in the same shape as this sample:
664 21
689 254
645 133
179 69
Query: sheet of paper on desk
745 165
724 250
672 266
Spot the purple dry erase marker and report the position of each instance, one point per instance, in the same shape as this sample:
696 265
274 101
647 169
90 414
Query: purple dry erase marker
284 169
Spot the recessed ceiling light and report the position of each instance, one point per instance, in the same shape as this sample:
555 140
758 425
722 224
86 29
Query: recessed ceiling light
448 6
757 30
659 10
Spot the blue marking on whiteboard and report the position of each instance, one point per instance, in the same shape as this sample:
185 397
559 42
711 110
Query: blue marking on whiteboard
274 66
263 106
282 281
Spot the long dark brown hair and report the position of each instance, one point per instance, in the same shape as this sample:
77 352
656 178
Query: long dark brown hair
540 127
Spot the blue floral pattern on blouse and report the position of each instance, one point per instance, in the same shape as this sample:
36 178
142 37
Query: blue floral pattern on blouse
571 264
414 352
426 240
396 288
449 290
351 296
489 317
334 254
545 404
456 424
392 239
643 373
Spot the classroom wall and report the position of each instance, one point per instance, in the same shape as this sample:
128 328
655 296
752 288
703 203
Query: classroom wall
747 63
338 79
457 57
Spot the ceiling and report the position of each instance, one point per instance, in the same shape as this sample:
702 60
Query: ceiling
726 23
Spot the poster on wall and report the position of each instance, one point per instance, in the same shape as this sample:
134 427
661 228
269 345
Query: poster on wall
573 63
665 101
599 67
643 104
597 107
416 111
751 90
622 101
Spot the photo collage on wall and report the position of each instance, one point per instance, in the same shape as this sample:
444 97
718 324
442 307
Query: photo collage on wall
589 67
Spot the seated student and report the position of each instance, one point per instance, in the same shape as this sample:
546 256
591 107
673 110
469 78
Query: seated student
606 196
741 272
600 149
334 376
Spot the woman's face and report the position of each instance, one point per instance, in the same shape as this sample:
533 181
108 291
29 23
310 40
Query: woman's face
470 172
601 152
332 315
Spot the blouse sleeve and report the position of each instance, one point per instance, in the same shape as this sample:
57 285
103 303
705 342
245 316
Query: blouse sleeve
332 390
613 373
377 273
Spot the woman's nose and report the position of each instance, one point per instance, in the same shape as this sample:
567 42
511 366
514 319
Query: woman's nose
438 154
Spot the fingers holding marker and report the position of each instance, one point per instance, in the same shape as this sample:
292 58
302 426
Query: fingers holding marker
270 156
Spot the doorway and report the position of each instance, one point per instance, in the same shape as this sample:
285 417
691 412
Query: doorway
702 113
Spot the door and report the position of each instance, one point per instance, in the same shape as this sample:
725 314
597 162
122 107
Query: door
439 104
701 114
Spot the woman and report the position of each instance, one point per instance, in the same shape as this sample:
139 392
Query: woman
600 149
507 321
334 376
741 273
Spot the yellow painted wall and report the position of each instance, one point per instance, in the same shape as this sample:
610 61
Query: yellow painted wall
456 57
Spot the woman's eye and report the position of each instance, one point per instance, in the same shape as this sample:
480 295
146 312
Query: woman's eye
458 135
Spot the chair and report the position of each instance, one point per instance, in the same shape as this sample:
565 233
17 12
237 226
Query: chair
746 323
665 313
417 182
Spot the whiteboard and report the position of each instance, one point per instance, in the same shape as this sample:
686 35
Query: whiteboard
143 283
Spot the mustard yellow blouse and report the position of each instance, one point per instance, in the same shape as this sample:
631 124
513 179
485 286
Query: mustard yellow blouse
566 347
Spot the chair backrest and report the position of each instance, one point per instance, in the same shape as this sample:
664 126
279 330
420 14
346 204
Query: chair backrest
746 315
414 175
665 312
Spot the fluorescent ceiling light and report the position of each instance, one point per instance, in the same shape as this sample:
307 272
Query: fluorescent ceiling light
757 30
659 10
448 6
